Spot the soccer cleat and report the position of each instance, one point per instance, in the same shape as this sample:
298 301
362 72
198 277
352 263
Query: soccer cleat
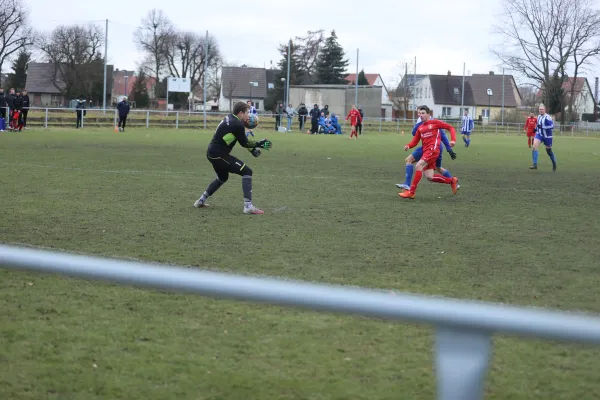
200 204
553 167
454 185
402 186
534 166
253 210
407 195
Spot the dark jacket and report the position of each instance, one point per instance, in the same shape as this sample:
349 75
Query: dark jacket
325 110
3 100
18 102
10 101
80 109
302 112
26 102
315 113
123 108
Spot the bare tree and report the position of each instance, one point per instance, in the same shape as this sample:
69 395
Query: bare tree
404 88
531 31
230 89
74 52
152 38
214 79
308 48
528 95
584 43
15 32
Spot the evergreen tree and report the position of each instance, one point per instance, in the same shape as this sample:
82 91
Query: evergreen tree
331 65
555 95
139 91
18 77
296 76
362 79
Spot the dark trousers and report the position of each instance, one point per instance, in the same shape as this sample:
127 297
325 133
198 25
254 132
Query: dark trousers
79 119
302 120
24 114
122 120
359 128
277 121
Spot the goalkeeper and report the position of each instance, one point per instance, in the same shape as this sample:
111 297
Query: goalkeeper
229 132
412 159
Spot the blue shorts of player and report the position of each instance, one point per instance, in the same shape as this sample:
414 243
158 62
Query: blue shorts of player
546 140
465 133
418 153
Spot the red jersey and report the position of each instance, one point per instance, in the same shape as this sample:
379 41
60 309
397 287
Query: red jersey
354 116
429 133
530 125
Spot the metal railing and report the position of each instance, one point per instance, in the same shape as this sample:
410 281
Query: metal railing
463 329
65 117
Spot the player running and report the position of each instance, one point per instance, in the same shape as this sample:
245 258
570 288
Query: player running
543 134
530 126
429 133
229 132
418 153
355 119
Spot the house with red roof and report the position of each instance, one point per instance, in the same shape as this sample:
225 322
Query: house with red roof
376 80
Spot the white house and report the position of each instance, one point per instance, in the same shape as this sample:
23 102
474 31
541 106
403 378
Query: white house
243 84
376 80
584 98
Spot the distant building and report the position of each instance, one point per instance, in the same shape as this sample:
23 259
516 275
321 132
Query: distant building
245 83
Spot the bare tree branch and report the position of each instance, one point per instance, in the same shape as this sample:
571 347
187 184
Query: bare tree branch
15 32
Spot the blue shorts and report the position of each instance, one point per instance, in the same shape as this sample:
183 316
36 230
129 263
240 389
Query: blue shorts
466 133
418 153
546 140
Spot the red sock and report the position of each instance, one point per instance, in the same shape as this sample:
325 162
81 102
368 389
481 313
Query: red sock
441 179
415 182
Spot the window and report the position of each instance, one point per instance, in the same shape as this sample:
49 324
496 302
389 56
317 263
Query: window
485 113
456 91
257 105
271 86
446 111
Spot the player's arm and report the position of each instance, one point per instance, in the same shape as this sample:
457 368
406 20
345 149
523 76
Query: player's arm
447 144
471 124
415 140
243 140
417 125
548 123
442 125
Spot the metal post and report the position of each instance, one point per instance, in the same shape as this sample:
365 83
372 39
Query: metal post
414 118
356 82
380 123
204 76
462 92
115 117
502 95
462 360
287 81
147 119
105 57
177 120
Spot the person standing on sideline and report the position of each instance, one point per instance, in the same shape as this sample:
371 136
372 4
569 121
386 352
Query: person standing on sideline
123 107
290 116
26 105
80 112
278 113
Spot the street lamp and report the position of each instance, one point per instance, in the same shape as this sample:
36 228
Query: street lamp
285 99
252 84
489 93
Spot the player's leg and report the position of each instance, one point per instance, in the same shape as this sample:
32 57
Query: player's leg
222 170
410 167
468 141
410 194
534 152
548 144
464 137
124 122
236 166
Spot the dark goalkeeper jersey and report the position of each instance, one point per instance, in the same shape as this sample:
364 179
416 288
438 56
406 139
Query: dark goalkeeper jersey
229 132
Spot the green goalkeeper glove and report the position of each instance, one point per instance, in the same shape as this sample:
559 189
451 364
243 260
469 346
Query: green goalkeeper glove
264 144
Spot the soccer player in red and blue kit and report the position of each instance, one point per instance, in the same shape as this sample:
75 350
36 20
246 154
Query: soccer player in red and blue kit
429 133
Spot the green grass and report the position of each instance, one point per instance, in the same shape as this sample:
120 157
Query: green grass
332 215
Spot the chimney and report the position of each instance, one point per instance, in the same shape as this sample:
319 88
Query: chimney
491 72
449 73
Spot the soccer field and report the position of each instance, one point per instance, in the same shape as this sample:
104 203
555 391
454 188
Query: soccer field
332 214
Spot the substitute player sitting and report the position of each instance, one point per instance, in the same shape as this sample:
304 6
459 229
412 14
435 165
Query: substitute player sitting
429 134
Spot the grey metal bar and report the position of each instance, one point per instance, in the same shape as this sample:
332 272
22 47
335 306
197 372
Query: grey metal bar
462 360
451 313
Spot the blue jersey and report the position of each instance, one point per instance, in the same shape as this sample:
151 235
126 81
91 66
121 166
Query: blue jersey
467 124
544 126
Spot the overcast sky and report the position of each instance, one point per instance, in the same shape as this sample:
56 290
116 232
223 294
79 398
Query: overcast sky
387 32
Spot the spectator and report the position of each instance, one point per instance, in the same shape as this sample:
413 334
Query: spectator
315 114
3 107
16 118
325 110
321 128
290 116
336 124
362 116
80 112
26 105
10 100
302 113
123 108
278 113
